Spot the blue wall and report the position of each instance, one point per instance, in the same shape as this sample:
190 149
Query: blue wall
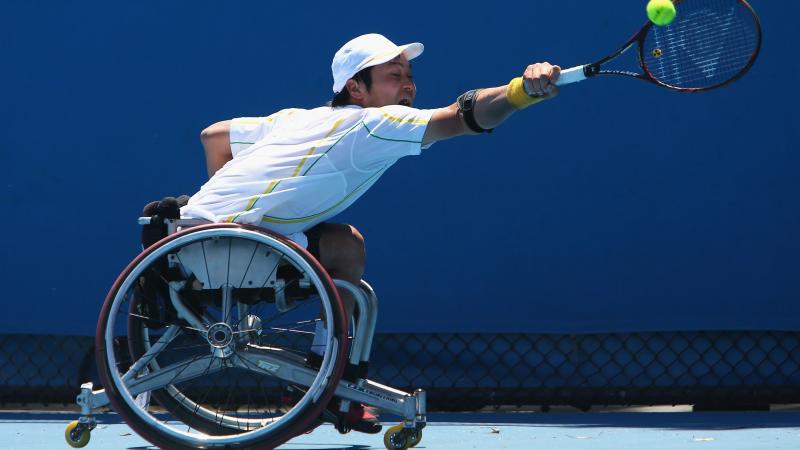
578 215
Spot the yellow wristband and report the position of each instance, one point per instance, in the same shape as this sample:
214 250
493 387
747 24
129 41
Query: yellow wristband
516 95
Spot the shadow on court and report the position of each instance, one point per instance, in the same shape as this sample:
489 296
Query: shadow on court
662 420
654 420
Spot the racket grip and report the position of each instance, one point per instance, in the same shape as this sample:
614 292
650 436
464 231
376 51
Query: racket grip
571 75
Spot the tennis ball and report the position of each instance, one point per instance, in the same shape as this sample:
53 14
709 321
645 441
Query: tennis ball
661 12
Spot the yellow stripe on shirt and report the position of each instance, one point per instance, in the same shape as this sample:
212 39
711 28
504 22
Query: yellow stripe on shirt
274 183
399 120
316 144
284 221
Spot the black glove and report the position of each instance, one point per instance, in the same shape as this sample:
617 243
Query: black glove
166 208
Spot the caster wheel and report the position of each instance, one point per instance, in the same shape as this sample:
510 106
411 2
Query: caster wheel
396 438
414 437
77 435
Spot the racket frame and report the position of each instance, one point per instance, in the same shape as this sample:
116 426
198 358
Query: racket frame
580 73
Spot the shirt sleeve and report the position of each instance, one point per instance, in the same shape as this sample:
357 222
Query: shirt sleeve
396 130
246 131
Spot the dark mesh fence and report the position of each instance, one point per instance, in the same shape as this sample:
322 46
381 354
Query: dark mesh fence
470 371
43 369
717 369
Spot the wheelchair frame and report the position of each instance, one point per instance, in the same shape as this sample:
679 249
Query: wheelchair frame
284 366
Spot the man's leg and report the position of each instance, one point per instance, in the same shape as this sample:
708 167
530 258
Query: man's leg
342 254
340 250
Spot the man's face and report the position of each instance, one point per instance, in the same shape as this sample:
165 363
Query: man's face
392 84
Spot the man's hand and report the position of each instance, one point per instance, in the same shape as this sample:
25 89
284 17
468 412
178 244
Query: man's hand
540 80
492 106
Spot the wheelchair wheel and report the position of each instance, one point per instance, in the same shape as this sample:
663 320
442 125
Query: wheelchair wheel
202 340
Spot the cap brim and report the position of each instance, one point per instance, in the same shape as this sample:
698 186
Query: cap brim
410 51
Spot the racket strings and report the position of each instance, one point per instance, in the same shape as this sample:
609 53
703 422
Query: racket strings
710 42
702 52
708 51
703 61
709 69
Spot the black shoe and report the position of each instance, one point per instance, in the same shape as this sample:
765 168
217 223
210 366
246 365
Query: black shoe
363 419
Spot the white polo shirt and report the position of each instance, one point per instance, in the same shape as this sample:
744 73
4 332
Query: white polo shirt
297 167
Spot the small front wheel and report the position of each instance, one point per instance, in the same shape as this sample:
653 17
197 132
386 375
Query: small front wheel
397 438
77 435
414 437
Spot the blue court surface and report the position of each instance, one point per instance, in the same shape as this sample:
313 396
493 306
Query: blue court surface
561 431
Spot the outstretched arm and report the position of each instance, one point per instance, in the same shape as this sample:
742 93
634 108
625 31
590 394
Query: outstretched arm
493 105
217 145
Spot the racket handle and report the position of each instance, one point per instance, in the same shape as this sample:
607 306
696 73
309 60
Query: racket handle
571 75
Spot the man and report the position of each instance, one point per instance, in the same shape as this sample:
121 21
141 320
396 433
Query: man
293 170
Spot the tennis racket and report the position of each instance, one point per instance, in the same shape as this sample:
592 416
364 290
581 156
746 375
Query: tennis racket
710 43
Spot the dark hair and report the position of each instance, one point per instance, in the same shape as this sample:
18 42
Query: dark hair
343 97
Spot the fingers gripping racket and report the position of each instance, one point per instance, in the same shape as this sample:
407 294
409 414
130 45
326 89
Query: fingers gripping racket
709 44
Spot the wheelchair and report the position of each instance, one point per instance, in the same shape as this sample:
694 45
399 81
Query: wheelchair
204 341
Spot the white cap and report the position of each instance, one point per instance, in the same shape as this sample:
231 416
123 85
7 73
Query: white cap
366 51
